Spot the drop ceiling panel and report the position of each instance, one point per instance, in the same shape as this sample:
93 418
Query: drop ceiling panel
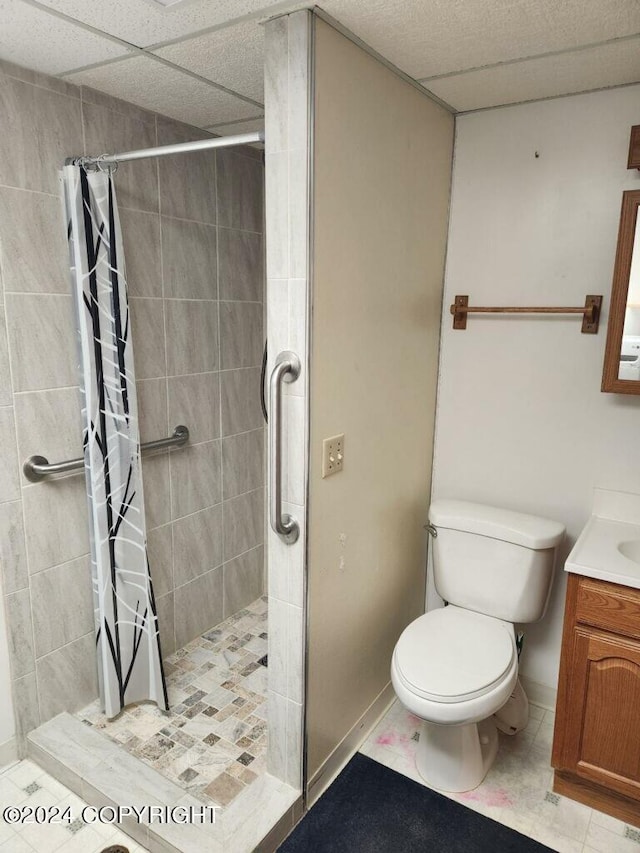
436 37
425 38
233 57
143 22
33 38
154 86
592 68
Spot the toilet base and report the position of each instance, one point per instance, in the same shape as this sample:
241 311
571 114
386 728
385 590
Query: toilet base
456 758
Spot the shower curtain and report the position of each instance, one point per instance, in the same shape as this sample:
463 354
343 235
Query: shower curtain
127 639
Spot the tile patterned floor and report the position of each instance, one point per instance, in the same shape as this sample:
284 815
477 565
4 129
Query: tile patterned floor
213 740
517 791
25 784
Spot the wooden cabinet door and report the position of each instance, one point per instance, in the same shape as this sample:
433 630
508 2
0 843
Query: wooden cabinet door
603 735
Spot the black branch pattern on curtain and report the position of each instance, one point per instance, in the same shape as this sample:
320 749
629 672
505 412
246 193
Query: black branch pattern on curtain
127 637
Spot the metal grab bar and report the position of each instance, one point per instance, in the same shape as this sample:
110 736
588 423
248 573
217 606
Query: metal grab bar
38 468
287 369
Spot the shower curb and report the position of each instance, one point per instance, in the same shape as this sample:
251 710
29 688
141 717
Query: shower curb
104 774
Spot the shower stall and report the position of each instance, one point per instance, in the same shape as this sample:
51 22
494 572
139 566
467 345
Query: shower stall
178 572
167 631
129 655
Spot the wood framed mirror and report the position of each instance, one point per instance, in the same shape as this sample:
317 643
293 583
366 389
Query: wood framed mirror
621 372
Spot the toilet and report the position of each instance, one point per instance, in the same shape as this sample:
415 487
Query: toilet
456 668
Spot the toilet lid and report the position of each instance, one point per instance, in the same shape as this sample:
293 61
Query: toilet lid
451 654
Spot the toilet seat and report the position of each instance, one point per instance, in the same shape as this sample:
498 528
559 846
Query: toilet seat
454 655
453 666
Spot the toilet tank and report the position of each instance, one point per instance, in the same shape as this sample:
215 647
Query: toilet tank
492 560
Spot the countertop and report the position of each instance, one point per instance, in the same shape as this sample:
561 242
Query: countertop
596 554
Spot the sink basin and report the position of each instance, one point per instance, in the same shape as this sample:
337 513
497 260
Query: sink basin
609 550
630 550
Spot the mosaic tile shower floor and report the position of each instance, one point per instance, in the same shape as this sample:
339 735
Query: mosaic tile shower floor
213 740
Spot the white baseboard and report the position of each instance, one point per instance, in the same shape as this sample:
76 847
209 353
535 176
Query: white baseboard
8 752
349 745
539 694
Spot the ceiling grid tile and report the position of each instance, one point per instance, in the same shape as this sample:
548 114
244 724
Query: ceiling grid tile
201 61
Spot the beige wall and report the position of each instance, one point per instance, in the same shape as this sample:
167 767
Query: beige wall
522 422
381 180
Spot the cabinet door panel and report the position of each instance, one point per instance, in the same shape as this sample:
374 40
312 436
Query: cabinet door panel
607 691
611 719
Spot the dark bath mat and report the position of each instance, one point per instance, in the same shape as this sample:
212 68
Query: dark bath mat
115 848
372 809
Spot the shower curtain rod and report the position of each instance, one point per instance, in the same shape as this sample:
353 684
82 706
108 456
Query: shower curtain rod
178 148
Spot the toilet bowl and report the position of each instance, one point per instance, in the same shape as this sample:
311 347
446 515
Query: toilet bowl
469 673
457 666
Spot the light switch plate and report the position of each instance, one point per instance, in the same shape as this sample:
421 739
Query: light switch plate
332 455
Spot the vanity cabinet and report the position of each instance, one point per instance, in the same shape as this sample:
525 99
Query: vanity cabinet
596 748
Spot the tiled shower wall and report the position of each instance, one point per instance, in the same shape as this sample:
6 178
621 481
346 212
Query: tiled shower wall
287 102
192 229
